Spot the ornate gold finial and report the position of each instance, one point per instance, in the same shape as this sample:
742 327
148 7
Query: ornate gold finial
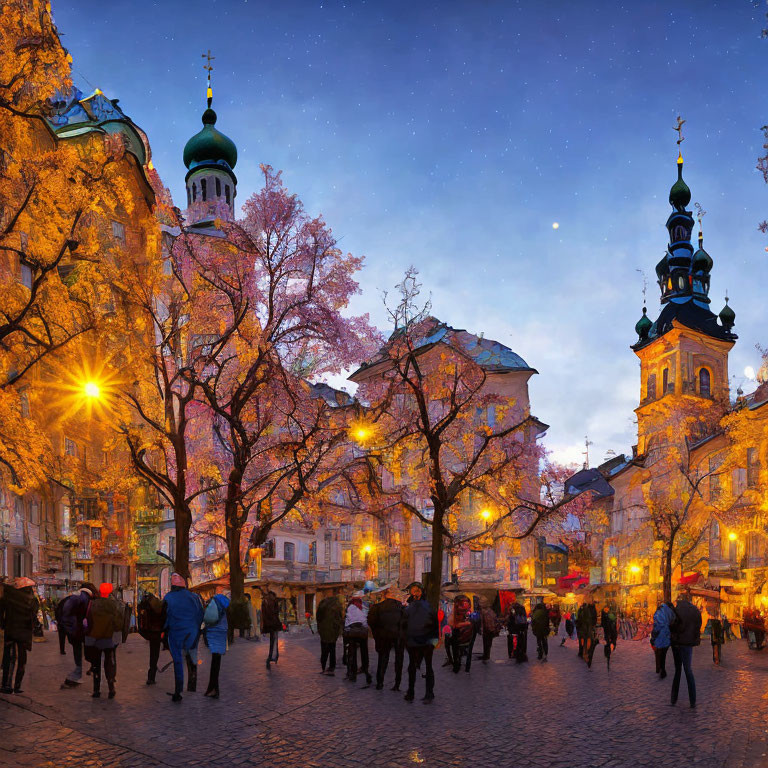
209 67
680 138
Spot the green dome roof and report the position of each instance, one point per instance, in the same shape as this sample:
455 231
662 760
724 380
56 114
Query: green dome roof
210 145
702 261
680 194
643 325
727 316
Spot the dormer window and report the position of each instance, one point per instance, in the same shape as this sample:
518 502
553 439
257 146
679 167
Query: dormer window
705 383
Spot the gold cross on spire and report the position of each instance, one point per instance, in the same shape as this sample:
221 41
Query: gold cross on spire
209 67
679 129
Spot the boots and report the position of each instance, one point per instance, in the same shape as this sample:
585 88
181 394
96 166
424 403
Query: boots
112 692
17 683
151 674
192 672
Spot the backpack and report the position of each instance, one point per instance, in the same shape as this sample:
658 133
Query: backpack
212 613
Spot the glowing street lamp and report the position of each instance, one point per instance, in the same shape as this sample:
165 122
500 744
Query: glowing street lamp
634 568
486 514
361 432
732 536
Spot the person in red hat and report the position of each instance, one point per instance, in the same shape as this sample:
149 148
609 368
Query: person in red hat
104 621
18 611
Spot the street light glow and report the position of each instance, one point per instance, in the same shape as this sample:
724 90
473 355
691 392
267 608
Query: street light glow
732 536
634 568
486 514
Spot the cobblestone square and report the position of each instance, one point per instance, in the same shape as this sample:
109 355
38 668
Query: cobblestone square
557 714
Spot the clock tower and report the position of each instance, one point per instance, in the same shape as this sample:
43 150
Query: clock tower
684 353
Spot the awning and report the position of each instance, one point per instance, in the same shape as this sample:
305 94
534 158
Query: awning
689 578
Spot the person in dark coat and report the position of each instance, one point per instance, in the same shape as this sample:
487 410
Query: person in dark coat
18 611
271 624
71 612
463 631
184 615
104 622
356 632
385 619
59 629
569 627
151 621
489 627
586 627
421 636
518 623
540 629
717 637
610 631
216 639
686 634
330 622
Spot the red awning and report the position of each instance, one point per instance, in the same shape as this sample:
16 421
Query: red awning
690 578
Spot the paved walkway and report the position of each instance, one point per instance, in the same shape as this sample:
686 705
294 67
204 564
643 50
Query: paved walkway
554 715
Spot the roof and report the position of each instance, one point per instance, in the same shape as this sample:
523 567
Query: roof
490 355
334 397
589 480
691 315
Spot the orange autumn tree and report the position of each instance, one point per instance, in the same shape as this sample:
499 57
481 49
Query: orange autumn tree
453 432
54 195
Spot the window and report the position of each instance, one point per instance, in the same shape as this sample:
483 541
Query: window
714 479
665 381
753 467
426 532
705 383
289 551
172 547
204 188
269 548
189 196
218 187
34 512
514 569
95 534
427 564
194 193
476 559
24 404
226 192
70 448
27 274
739 480
118 232
345 532
650 387
346 557
313 552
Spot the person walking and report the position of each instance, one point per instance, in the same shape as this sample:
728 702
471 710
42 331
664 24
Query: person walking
555 618
661 636
520 626
271 624
18 611
385 619
586 627
489 625
57 606
610 631
540 629
104 622
216 632
462 634
421 635
72 611
686 635
717 637
569 627
727 633
183 617
356 633
151 621
330 622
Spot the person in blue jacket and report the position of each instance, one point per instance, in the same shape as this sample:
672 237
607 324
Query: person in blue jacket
216 639
661 635
184 615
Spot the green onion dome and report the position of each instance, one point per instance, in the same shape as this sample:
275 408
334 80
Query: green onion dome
210 146
702 261
643 325
680 194
727 316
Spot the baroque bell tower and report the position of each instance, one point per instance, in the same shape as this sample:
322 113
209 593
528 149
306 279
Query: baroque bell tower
684 353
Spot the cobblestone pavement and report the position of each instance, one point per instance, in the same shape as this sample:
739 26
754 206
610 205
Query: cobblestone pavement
554 715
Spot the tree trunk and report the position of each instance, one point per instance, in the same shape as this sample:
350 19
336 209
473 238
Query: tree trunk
667 569
182 519
436 570
234 529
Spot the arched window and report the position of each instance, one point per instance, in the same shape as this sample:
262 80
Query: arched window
218 187
705 383
289 551
226 192
664 381
189 196
194 192
650 387
203 188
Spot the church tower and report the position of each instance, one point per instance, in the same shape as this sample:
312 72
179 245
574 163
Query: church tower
684 353
210 158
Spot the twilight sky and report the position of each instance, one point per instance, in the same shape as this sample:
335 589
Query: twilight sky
451 135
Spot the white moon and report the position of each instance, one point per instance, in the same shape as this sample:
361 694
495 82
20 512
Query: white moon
555 225
749 372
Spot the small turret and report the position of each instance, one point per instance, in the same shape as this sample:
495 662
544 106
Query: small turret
643 325
727 316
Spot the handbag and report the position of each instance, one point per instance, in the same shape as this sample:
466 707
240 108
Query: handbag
211 615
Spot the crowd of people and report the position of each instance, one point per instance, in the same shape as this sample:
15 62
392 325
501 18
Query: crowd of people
94 622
